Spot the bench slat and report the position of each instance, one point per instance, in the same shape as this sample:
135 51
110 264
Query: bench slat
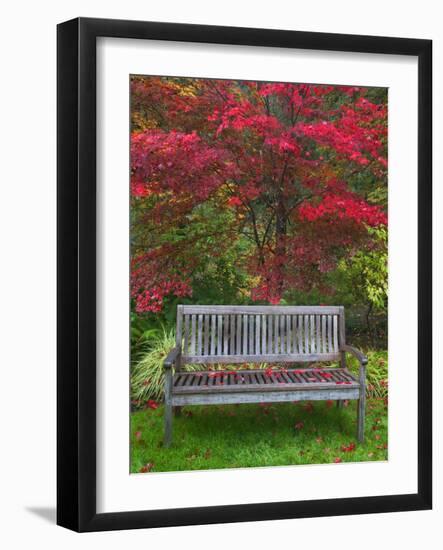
219 335
257 334
263 334
239 342
232 348
213 325
276 334
206 337
224 398
253 310
335 333
199 334
251 385
262 358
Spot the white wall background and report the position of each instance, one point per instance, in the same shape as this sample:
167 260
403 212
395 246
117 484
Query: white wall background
27 289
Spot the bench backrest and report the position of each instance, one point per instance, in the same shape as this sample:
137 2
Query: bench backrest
254 334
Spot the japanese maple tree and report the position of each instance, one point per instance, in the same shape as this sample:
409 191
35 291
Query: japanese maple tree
287 168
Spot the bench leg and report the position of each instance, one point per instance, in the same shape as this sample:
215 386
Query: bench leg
168 408
339 403
361 405
177 411
168 425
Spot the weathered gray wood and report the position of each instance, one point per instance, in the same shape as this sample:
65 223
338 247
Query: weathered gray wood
342 329
270 347
239 342
173 356
213 333
282 334
193 331
254 385
219 398
276 334
206 336
232 348
342 374
179 330
261 334
323 334
312 338
168 408
357 353
245 335
186 336
335 340
257 334
219 335
361 403
272 310
251 335
288 334
225 334
199 334
300 334
294 333
270 358
330 346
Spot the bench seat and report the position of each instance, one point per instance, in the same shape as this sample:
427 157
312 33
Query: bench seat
253 380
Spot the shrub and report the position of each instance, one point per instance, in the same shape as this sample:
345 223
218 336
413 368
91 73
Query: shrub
147 377
376 373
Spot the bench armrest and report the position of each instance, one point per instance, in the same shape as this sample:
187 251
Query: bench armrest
356 353
172 357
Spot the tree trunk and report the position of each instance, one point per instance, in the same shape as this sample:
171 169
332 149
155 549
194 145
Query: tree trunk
280 242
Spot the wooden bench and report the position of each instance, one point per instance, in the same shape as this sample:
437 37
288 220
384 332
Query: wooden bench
261 334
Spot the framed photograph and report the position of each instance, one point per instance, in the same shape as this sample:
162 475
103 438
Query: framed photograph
244 274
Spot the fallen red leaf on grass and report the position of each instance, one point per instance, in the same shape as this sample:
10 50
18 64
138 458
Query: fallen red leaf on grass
138 435
337 459
348 448
151 404
146 468
299 425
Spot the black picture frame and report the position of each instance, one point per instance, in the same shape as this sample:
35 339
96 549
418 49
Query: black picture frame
76 295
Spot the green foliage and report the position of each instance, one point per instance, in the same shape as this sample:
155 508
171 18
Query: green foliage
143 328
365 274
376 373
147 377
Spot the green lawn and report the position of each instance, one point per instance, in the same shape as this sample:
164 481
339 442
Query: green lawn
238 436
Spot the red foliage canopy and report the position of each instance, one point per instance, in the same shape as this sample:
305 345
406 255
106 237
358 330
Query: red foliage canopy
280 156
